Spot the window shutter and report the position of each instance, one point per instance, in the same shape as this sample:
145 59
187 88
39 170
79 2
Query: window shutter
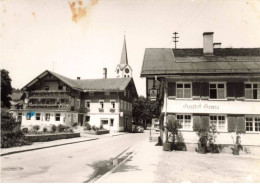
231 89
205 121
232 123
196 122
205 89
195 89
240 89
241 125
171 89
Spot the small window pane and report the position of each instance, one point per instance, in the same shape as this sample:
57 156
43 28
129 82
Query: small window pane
212 86
220 85
187 86
179 85
248 85
179 116
213 94
254 85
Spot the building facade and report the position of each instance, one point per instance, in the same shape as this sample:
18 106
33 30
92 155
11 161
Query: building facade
55 99
207 86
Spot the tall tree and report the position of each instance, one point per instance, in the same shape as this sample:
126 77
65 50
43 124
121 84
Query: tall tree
145 109
6 89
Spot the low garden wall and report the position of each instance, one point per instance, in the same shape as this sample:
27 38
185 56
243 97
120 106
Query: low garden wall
50 137
98 132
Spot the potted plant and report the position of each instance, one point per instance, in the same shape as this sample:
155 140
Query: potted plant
237 147
171 132
203 140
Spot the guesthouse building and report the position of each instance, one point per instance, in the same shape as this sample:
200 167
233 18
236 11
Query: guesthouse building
207 86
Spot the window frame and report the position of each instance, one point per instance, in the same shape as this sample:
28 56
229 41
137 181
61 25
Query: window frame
184 119
57 116
217 124
103 105
49 118
225 90
252 89
113 101
253 123
37 116
183 89
86 104
78 103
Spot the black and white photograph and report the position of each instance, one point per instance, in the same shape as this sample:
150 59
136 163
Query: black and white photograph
130 91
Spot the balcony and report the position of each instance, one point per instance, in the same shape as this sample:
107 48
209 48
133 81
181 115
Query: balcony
50 106
44 93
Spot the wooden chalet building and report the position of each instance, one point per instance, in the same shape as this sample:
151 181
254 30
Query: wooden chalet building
207 86
55 99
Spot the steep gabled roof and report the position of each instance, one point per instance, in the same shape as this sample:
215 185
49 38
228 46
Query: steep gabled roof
160 61
103 84
107 84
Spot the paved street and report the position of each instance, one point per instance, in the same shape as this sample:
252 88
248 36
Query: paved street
70 163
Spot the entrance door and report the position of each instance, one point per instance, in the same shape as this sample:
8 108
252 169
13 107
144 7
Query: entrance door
105 124
80 119
126 124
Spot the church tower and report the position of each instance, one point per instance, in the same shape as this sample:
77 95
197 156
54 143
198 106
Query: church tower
123 70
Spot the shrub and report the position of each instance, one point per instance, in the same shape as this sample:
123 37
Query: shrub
93 127
97 128
61 128
13 139
71 130
45 129
53 128
101 127
66 129
25 130
36 128
74 124
87 126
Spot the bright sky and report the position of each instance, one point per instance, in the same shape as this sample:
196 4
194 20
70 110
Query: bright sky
39 33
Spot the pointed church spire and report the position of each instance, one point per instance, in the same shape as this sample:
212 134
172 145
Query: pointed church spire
124 60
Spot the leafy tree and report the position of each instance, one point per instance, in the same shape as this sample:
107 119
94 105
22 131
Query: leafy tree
145 109
6 88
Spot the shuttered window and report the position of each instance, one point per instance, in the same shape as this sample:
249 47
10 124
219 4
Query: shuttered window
252 90
183 90
253 124
205 121
241 127
232 123
171 88
217 90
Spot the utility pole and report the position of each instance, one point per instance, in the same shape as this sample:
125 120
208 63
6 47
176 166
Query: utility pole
175 38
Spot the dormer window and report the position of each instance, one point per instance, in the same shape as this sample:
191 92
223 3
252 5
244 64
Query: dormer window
127 70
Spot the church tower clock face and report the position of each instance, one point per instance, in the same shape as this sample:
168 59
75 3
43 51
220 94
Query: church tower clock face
126 70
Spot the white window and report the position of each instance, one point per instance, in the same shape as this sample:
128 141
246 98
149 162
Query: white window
217 91
101 103
183 90
253 123
113 104
78 103
38 116
104 121
87 104
252 90
57 117
185 121
47 117
219 122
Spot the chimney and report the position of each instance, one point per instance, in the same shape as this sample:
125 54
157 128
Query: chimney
104 73
78 78
208 43
216 45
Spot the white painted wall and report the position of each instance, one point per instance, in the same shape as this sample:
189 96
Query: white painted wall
212 106
225 138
